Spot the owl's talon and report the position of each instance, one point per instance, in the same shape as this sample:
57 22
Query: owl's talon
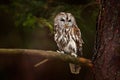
60 51
73 54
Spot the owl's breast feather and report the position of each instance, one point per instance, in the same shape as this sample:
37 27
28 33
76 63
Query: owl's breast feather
71 47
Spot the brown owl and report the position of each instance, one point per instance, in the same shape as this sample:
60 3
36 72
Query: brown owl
68 37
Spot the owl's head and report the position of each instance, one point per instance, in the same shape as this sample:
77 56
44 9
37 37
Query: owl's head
64 20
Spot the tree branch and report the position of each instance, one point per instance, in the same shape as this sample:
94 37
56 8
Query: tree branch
49 55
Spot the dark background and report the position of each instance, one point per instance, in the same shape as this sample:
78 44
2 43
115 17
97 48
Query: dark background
28 24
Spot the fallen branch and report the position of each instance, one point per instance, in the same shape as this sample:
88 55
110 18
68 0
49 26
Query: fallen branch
41 62
49 54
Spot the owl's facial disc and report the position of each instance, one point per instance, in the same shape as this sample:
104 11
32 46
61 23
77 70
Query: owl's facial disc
62 22
65 20
69 23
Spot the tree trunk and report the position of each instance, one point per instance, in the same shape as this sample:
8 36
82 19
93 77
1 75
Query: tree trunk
107 50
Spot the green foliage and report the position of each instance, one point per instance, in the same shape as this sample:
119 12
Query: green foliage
40 13
44 22
26 21
30 14
30 21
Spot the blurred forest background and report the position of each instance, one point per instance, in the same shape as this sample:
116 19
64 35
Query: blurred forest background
29 23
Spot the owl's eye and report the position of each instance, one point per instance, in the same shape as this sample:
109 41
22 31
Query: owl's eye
62 20
69 20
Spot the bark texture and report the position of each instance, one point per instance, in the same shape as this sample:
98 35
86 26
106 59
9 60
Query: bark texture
107 50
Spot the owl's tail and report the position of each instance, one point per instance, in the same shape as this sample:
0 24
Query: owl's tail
75 69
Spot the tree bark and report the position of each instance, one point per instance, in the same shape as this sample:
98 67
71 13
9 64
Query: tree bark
107 50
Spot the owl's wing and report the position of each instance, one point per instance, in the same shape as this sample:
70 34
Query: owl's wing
78 39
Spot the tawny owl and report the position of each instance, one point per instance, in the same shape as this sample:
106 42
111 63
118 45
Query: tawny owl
68 37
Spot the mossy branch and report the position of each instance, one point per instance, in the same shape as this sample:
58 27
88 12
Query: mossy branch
49 55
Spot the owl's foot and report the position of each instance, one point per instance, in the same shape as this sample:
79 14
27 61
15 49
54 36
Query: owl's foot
60 51
73 54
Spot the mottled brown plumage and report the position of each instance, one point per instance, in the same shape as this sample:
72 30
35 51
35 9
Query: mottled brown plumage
68 37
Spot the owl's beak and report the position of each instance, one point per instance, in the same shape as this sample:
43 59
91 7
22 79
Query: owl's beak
66 25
